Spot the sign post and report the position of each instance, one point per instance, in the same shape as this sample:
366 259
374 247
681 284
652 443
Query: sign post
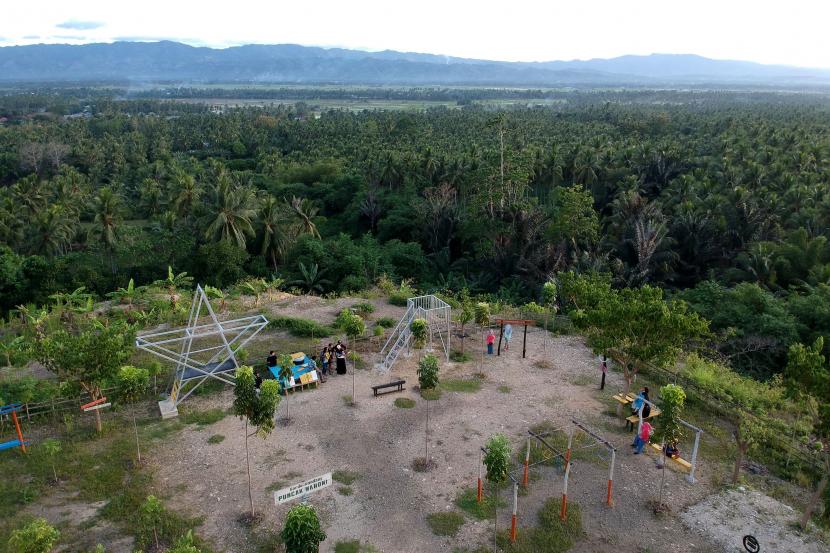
302 489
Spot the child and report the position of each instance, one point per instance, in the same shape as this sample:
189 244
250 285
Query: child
642 439
604 368
672 451
491 339
508 335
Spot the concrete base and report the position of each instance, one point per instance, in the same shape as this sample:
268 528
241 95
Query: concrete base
168 409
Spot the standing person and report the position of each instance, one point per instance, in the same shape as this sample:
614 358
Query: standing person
604 368
340 356
642 438
271 361
508 334
324 361
491 339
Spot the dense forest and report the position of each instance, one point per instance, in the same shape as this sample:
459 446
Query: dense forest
721 199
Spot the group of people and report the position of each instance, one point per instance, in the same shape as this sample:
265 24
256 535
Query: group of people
333 354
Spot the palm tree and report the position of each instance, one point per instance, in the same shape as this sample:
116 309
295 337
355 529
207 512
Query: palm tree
186 192
312 278
231 214
305 212
106 207
53 231
273 225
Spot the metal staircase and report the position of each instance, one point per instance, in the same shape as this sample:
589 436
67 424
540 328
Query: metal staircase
398 340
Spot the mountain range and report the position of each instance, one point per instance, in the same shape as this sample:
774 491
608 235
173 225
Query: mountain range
167 62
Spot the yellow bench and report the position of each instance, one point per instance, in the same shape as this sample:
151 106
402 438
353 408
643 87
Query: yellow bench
633 420
679 460
624 399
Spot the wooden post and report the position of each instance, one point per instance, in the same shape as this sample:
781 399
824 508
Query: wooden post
501 333
524 343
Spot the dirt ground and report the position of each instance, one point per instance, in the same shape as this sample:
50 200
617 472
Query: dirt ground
379 441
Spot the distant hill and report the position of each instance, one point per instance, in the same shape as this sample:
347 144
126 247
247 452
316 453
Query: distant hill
290 63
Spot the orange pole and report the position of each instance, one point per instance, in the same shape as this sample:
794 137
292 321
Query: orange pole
19 433
527 465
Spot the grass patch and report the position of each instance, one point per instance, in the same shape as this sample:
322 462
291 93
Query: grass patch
459 357
552 535
431 394
504 389
212 386
303 328
353 546
582 380
355 359
461 385
347 400
216 439
345 477
386 322
276 485
345 490
405 403
543 364
445 524
466 501
203 418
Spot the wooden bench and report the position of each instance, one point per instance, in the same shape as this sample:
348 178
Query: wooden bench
634 420
624 399
679 460
397 383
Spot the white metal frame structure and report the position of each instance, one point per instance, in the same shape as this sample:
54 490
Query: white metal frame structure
198 357
438 315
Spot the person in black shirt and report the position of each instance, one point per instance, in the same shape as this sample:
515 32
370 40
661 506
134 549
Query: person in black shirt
272 360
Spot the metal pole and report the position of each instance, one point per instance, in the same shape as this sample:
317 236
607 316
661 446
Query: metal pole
563 514
480 486
691 476
513 519
527 465
609 501
524 343
19 433
501 332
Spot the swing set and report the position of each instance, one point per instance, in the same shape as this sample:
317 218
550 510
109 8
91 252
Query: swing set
11 410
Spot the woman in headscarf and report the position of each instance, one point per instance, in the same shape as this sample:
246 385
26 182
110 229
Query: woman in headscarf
340 356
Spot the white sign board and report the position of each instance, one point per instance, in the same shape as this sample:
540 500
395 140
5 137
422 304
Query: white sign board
302 489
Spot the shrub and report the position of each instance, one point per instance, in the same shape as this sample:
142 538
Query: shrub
302 533
363 309
428 372
420 330
302 328
386 322
377 331
36 537
216 439
402 294
346 477
497 458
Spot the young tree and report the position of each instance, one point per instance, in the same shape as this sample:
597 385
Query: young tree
132 385
549 303
497 463
286 362
128 295
419 328
152 514
464 317
36 537
354 327
173 283
669 429
52 447
185 544
301 532
807 377
87 356
637 326
255 409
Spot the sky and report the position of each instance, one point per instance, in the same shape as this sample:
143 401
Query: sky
791 32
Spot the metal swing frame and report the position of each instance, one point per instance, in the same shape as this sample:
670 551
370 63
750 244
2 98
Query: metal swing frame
206 361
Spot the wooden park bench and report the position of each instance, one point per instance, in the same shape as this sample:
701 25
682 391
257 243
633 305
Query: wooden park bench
679 460
634 420
624 399
397 383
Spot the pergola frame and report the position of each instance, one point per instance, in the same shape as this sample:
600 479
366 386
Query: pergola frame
221 358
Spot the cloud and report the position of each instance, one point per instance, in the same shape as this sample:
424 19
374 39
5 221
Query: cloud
79 25
68 37
31 37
